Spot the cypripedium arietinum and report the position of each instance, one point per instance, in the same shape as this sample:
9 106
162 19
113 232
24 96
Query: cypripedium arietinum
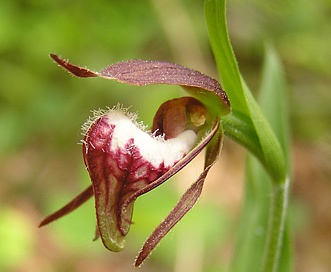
124 160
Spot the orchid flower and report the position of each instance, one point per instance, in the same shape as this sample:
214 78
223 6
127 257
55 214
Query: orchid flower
124 160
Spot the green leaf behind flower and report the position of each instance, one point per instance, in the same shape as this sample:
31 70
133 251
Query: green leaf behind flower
261 241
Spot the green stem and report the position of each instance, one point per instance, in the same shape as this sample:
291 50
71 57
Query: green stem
277 218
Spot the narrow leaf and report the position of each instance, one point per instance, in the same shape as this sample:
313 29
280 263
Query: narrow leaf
223 53
258 212
253 223
273 99
261 140
264 144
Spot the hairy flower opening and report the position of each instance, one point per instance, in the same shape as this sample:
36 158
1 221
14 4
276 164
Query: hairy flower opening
124 160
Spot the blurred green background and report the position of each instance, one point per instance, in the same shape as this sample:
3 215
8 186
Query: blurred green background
42 109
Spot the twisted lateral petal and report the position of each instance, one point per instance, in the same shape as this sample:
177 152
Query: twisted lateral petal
72 205
187 201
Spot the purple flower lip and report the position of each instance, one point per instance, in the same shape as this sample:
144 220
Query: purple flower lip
121 159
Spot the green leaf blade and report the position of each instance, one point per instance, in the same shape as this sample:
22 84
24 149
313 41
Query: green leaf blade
252 232
265 205
220 42
273 100
267 148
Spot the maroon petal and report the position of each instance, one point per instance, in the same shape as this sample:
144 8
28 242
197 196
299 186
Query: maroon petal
186 202
72 205
141 73
178 166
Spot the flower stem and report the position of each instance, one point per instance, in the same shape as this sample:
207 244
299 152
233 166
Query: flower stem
275 232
